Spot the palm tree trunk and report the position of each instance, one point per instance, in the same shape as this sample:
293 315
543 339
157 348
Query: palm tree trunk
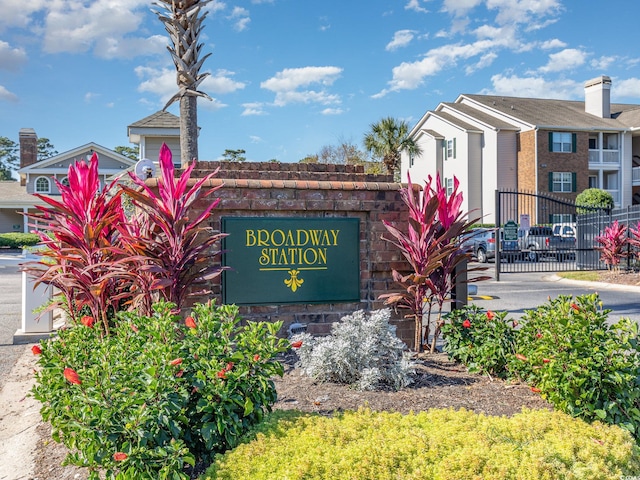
188 129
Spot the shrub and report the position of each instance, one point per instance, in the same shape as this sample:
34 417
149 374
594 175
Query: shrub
18 240
593 199
483 341
361 351
613 243
438 444
581 363
157 394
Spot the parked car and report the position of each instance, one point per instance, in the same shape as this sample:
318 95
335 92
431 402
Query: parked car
539 242
481 242
564 230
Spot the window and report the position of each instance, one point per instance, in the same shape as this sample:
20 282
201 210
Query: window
562 182
65 181
562 142
42 185
451 148
593 143
610 141
448 183
593 181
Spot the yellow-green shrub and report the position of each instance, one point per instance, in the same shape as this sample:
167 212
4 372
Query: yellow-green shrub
438 444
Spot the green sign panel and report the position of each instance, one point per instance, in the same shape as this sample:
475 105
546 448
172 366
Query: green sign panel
277 260
510 231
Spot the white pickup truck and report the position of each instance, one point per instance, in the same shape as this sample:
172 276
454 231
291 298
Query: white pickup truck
540 242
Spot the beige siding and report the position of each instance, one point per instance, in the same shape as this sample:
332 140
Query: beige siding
152 148
507 168
11 221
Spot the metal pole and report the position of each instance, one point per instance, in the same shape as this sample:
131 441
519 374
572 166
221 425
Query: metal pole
497 256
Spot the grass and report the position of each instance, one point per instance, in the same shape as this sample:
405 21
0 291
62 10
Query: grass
584 276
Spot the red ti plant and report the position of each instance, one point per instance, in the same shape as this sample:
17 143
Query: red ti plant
634 240
612 244
81 256
429 245
178 248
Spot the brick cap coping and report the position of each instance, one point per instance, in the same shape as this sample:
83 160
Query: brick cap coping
293 184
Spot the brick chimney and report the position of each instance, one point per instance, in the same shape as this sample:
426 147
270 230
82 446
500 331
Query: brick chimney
28 149
597 97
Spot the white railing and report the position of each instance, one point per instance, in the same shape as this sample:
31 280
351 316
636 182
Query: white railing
636 175
610 157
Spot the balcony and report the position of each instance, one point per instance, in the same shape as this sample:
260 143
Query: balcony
636 176
616 196
604 158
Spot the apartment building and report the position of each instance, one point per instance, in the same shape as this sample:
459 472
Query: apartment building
560 147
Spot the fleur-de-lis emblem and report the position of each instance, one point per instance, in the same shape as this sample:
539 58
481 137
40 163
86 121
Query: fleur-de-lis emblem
294 282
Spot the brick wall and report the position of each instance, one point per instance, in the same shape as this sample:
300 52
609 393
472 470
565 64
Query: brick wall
316 190
563 162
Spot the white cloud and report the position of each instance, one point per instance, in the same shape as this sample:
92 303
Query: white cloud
7 96
629 88
415 6
401 38
220 83
554 43
564 60
108 26
604 62
253 108
286 83
332 111
130 47
17 13
523 11
484 62
241 18
162 82
460 7
89 96
11 58
410 75
534 87
255 139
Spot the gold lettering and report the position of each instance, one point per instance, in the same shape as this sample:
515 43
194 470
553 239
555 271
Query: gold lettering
251 238
264 257
300 242
273 238
335 237
322 253
263 238
315 237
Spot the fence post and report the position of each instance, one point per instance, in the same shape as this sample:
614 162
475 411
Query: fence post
497 222
460 292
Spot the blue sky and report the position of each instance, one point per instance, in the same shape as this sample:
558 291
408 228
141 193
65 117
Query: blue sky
288 77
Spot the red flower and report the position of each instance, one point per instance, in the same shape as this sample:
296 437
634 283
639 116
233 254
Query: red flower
190 322
519 356
297 344
228 367
545 360
87 321
222 374
71 375
256 357
179 373
535 390
134 328
515 323
175 361
490 315
120 456
575 307
538 335
466 323
36 350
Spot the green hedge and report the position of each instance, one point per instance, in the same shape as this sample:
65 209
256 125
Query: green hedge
18 240
438 444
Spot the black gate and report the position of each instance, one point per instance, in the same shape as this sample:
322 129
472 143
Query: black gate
542 233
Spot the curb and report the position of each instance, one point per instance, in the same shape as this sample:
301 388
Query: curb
593 285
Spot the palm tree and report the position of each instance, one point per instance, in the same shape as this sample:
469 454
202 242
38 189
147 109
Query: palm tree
387 139
183 22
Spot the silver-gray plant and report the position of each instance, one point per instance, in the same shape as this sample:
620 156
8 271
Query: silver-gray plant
362 351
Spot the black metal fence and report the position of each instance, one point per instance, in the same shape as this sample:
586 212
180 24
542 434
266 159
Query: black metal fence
551 235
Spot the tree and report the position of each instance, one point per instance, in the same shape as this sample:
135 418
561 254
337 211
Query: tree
387 139
234 155
9 157
594 198
131 152
183 23
45 149
344 153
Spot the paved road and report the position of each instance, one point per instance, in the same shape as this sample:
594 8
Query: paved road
10 312
517 292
